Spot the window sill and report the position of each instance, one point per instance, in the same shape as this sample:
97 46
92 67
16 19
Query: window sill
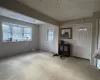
50 41
15 41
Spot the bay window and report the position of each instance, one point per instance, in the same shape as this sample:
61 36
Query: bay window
14 32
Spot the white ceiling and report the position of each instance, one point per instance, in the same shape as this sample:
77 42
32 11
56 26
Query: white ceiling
64 9
18 16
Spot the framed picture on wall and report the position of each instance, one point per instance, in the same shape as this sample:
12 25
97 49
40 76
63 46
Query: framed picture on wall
66 33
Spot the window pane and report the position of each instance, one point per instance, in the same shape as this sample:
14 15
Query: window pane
27 36
6 32
50 38
6 36
17 33
50 33
17 37
27 33
6 28
17 30
27 30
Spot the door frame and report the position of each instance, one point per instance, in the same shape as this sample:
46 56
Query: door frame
91 24
97 38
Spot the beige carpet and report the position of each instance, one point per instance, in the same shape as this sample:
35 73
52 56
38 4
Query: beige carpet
42 66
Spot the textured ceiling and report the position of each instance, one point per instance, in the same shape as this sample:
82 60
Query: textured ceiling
64 9
11 14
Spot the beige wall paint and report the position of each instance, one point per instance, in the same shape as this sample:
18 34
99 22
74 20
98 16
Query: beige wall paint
12 48
44 44
21 8
94 29
97 14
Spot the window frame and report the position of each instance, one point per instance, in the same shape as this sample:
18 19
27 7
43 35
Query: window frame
11 32
48 29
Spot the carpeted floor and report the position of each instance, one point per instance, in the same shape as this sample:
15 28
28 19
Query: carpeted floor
43 66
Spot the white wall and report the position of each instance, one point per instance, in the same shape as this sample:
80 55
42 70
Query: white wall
48 46
11 48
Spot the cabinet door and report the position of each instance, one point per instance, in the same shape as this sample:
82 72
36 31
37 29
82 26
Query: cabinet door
61 48
66 48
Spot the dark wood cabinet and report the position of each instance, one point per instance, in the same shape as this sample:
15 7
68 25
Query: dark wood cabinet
64 50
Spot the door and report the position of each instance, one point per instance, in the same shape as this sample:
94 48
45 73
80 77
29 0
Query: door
82 36
98 43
